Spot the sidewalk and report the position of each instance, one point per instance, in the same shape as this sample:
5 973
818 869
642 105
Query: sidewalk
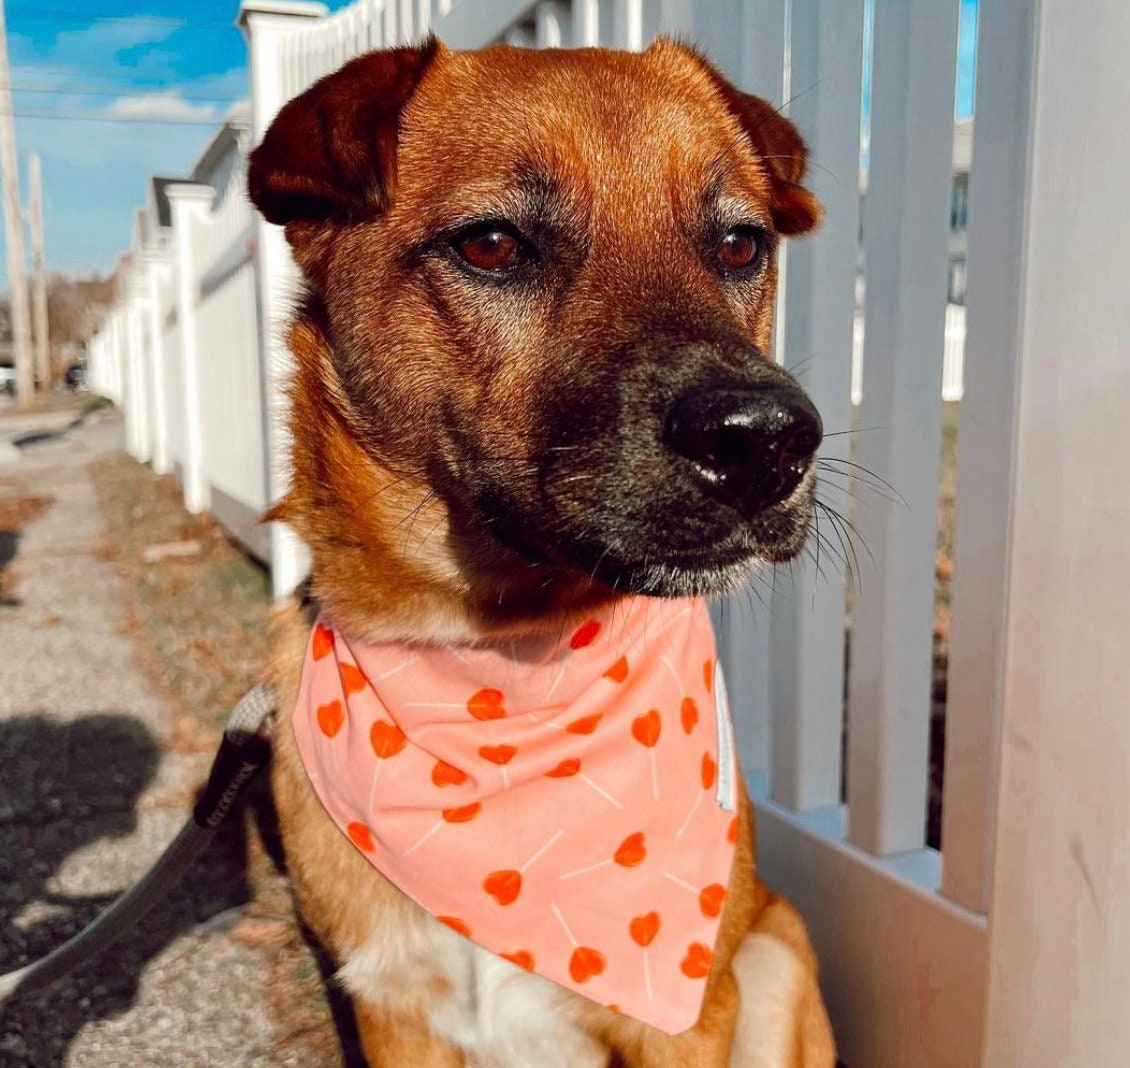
89 796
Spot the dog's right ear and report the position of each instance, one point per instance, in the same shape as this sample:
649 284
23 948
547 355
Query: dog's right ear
330 154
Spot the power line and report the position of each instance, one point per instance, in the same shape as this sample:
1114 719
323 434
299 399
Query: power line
90 90
82 116
84 18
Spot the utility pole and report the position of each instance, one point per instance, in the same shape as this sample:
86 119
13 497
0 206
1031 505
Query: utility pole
14 230
39 272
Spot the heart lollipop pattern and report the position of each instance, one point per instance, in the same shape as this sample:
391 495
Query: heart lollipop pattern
506 765
646 730
643 929
352 679
486 703
321 641
331 716
585 963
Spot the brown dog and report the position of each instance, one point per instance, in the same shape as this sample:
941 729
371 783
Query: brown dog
530 376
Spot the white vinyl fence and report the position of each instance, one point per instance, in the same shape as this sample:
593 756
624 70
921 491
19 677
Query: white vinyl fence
835 746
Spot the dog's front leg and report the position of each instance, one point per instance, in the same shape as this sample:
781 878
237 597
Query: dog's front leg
706 1045
782 1022
397 1040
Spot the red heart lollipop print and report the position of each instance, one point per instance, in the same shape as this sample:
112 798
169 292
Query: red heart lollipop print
498 754
352 679
618 672
585 634
330 718
522 957
445 774
566 769
486 704
360 836
504 886
457 925
643 929
646 728
688 713
710 900
709 771
585 725
585 963
462 814
387 739
322 641
696 964
632 851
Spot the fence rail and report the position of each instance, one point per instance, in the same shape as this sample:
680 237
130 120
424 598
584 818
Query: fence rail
192 353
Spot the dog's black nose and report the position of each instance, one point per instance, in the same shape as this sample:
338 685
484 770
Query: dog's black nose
751 445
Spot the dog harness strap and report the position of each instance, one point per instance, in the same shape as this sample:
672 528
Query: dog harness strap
558 800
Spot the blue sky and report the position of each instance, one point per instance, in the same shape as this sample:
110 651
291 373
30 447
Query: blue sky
127 60
182 61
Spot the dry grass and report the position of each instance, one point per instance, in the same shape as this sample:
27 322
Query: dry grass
203 628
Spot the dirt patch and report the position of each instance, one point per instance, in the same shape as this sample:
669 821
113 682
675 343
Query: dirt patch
203 626
15 514
943 581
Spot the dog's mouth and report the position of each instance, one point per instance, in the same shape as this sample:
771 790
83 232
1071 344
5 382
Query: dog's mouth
704 551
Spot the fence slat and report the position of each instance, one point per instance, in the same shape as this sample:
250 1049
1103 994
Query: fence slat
998 198
586 23
552 22
627 24
276 275
906 236
154 266
807 644
188 202
478 24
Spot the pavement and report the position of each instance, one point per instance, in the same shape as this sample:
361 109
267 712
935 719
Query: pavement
90 794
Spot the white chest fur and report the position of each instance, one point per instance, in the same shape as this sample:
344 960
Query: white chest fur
498 1015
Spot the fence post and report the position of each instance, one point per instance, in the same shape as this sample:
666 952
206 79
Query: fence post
265 23
137 424
1060 903
188 201
153 266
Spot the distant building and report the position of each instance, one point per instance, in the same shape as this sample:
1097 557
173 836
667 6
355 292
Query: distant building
959 243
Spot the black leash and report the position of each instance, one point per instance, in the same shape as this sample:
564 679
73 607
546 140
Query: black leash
243 752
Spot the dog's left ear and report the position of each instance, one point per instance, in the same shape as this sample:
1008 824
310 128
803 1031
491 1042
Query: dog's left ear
330 154
775 139
795 209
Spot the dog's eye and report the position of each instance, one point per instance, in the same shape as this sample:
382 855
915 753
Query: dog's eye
491 248
739 248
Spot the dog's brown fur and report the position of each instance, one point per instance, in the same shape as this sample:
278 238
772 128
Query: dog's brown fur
419 395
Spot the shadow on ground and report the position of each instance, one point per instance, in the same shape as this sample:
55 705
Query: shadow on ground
64 787
35 437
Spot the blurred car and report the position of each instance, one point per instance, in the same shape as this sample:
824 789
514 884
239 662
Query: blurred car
75 375
8 381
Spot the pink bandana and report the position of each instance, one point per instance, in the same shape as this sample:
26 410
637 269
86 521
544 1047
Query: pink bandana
566 803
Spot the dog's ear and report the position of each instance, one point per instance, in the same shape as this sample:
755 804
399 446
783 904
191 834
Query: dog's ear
775 139
331 152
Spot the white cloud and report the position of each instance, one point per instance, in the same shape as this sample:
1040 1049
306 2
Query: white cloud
164 106
110 37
